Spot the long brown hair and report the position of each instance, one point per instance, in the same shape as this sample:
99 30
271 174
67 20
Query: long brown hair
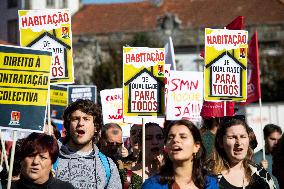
219 161
198 173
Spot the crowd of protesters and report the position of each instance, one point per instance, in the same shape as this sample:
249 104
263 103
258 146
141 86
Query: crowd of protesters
178 155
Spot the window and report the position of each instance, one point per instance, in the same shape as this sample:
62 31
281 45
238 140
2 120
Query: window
13 31
12 3
64 4
27 4
50 3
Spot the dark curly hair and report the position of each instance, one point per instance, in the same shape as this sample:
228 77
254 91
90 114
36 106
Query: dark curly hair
198 173
88 107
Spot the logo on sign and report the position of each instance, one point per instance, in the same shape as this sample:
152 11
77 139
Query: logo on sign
65 33
15 118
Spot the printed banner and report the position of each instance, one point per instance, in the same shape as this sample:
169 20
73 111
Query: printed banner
111 100
143 81
24 84
185 95
82 92
58 101
225 72
50 30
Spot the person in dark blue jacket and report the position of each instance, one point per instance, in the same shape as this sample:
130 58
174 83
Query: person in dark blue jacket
183 166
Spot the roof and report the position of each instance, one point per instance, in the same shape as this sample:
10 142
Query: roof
50 36
143 16
226 54
141 72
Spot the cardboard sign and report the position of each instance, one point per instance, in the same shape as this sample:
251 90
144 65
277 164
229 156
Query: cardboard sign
185 95
50 30
24 84
143 81
58 100
82 92
111 100
225 72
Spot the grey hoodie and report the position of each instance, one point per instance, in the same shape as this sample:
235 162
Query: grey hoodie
86 172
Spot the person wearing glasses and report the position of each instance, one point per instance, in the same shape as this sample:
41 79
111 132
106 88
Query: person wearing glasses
80 161
231 158
38 153
111 143
183 167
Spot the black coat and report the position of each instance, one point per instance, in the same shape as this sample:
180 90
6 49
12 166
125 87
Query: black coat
52 183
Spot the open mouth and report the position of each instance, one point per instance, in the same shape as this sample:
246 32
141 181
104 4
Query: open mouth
80 132
176 149
238 150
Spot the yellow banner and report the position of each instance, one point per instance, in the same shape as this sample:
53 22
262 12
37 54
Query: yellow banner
58 97
225 71
24 76
143 78
23 96
50 30
25 79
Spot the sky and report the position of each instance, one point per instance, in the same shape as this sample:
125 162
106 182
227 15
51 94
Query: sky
109 1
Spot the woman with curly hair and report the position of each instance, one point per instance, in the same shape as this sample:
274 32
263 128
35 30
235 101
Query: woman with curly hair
231 159
183 166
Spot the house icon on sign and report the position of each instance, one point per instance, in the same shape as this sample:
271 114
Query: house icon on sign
46 41
145 82
229 67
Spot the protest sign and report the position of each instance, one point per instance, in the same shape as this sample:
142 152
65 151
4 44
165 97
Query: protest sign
50 30
24 84
82 92
225 72
143 81
185 95
111 100
58 100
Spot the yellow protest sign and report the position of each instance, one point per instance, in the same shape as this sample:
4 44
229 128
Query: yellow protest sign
24 84
58 95
143 81
225 72
58 100
50 30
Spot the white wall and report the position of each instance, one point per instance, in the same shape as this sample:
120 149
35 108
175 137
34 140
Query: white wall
271 113
73 5
187 62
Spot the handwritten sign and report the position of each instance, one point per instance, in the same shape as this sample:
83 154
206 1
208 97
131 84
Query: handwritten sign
111 100
185 95
225 65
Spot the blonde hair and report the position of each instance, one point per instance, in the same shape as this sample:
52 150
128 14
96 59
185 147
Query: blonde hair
218 161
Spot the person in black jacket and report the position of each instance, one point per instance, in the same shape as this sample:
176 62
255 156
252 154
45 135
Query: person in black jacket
38 153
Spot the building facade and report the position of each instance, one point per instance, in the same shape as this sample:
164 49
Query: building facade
9 14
